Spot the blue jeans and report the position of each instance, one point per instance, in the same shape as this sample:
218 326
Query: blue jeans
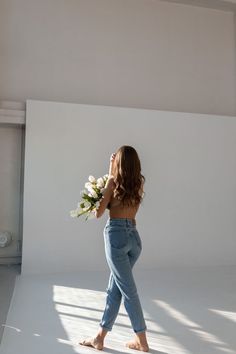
122 248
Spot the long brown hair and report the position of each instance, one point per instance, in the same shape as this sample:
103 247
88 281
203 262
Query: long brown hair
127 176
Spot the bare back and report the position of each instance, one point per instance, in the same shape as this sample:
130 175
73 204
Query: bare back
117 210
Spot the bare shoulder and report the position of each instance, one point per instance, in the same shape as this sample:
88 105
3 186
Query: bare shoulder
110 183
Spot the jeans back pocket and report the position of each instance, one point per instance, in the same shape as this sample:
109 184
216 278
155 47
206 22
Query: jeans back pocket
116 236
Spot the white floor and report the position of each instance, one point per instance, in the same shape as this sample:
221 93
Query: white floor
8 275
187 311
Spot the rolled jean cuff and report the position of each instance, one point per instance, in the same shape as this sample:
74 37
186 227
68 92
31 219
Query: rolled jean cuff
106 328
140 330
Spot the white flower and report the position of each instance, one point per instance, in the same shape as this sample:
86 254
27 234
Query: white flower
92 179
74 213
88 185
93 188
94 194
83 192
103 190
100 182
87 205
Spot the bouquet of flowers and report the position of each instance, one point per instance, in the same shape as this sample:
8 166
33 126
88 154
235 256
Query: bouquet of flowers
91 197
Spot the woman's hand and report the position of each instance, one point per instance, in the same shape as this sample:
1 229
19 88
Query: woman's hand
112 158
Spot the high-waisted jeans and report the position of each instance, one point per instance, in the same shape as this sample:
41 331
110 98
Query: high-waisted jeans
122 248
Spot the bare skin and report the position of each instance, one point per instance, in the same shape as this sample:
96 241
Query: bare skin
140 340
97 342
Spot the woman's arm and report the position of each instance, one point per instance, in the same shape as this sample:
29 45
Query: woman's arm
106 197
108 189
112 158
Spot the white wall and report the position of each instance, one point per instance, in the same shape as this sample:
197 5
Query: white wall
132 53
188 215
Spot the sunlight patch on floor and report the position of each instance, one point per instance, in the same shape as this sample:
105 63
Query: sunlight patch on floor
180 317
194 327
227 314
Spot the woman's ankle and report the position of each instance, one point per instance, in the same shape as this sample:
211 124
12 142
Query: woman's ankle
101 333
141 337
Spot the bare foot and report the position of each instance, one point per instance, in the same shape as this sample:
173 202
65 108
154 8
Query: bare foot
135 344
96 343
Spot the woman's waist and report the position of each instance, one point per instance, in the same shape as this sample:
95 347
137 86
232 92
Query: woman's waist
122 214
126 221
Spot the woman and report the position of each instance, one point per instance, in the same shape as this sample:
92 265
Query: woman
123 195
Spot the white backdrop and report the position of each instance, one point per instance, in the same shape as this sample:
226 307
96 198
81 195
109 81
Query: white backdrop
188 214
